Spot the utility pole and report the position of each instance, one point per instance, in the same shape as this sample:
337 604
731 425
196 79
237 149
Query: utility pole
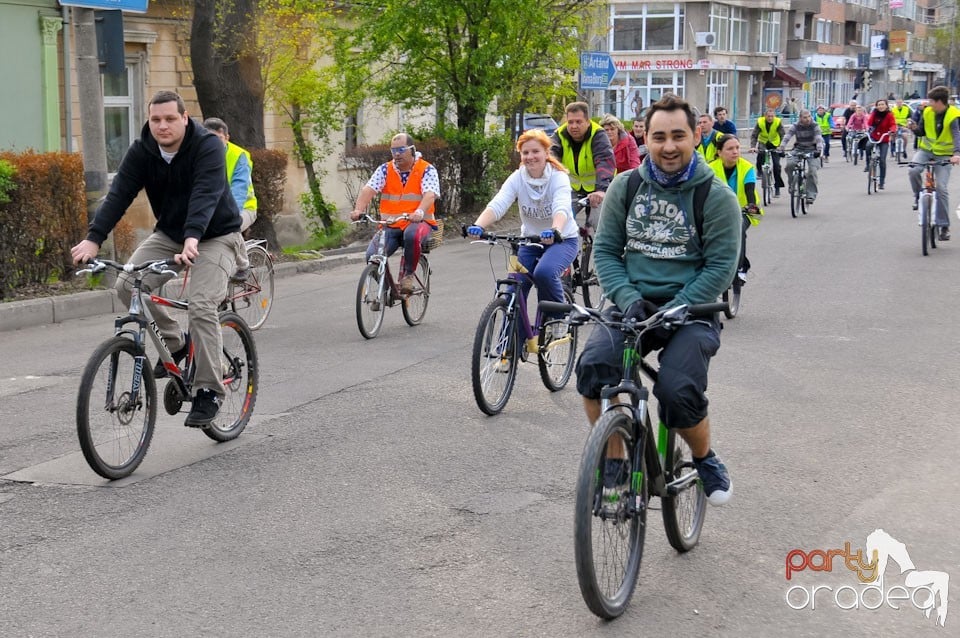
91 109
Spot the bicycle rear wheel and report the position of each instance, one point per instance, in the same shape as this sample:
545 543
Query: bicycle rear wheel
253 299
557 355
371 302
115 429
610 515
414 306
683 512
496 353
241 379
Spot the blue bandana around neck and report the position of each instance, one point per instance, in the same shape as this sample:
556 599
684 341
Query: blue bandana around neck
672 179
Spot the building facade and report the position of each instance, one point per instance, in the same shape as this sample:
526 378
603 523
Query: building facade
750 55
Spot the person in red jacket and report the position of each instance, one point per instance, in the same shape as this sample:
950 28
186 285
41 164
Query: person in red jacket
625 152
883 126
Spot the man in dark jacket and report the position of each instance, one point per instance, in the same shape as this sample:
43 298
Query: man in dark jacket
587 155
182 167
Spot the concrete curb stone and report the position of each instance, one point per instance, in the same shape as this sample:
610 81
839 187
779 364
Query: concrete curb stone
47 310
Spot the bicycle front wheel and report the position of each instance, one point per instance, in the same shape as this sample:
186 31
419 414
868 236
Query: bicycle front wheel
371 302
241 379
253 299
589 284
926 228
496 353
872 178
610 515
767 188
683 512
414 306
116 412
795 200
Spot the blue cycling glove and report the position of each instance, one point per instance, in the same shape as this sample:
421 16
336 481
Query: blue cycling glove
474 231
546 234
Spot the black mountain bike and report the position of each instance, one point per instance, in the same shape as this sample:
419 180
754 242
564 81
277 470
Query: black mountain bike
798 197
610 519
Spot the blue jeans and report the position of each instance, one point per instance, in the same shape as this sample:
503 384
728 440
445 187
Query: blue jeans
546 266
942 176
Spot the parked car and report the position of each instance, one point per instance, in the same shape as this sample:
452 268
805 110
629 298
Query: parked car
838 120
541 121
915 104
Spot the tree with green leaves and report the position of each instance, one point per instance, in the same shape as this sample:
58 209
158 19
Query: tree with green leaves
467 54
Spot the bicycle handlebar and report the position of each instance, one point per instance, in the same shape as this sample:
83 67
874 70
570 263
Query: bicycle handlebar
669 318
157 266
367 218
932 162
514 240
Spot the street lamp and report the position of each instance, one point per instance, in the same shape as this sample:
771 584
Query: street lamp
807 104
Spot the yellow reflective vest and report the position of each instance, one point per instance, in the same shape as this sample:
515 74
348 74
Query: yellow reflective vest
943 143
233 156
767 134
584 179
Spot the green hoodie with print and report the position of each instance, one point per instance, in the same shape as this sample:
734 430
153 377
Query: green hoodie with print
651 248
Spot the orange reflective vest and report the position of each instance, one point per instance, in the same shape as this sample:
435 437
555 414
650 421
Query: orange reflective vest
398 198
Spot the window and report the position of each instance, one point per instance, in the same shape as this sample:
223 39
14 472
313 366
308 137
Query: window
730 26
121 111
647 27
769 32
650 85
350 131
717 83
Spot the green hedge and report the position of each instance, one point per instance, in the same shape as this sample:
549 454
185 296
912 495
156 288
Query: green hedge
45 216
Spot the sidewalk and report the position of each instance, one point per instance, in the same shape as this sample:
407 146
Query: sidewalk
47 310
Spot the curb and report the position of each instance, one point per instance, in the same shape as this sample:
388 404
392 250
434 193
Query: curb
49 310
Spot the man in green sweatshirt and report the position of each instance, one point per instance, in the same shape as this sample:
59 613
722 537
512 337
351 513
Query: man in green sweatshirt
653 252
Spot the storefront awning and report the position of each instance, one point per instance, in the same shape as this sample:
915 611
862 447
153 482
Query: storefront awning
789 75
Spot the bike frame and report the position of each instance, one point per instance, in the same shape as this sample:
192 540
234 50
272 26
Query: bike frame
139 313
654 447
517 274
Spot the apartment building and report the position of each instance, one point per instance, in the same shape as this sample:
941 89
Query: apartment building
748 55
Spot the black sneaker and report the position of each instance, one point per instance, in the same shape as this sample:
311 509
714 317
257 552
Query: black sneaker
944 233
715 478
204 409
616 482
159 372
776 192
916 204
240 276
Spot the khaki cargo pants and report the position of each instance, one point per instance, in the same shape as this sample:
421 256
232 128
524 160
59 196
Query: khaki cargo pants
206 288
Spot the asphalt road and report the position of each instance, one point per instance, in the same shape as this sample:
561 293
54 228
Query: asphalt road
370 496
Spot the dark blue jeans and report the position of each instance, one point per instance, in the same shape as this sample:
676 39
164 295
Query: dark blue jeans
546 266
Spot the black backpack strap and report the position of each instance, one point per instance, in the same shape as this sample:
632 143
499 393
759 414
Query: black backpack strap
699 196
633 185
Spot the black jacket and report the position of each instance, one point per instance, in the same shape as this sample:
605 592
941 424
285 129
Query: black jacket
190 196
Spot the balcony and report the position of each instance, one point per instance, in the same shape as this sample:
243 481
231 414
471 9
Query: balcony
900 23
861 14
805 6
800 49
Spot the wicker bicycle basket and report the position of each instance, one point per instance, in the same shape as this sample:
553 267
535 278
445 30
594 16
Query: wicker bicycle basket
435 238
